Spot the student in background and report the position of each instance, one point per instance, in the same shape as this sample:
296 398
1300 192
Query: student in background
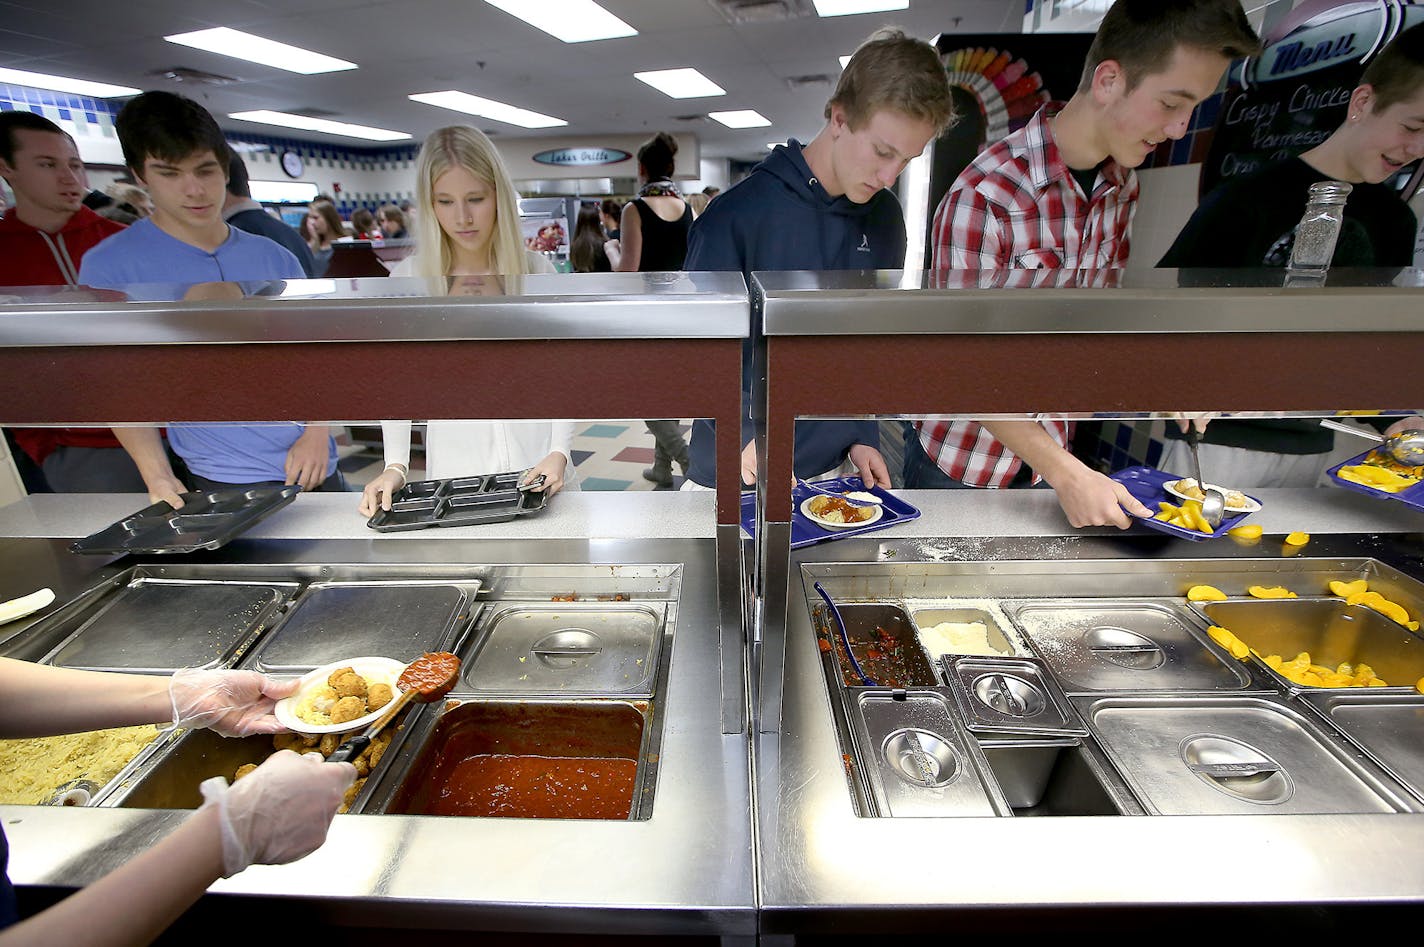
364 223
242 212
611 213
392 222
43 238
1249 221
653 239
174 147
1060 192
586 252
828 206
324 227
469 241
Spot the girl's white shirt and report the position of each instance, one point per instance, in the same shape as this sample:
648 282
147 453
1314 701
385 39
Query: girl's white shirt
466 448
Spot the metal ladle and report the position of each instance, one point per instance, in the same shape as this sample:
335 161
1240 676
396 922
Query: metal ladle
1407 447
1213 503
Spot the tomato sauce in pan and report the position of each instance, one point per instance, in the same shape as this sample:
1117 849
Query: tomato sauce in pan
537 787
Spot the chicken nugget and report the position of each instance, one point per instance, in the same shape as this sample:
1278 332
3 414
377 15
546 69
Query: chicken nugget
362 764
377 696
329 743
286 741
350 795
348 709
243 770
308 740
378 750
350 685
332 678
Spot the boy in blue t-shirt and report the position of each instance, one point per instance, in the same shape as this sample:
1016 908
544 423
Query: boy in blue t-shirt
176 150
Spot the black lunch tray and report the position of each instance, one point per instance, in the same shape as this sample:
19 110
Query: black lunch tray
462 501
208 519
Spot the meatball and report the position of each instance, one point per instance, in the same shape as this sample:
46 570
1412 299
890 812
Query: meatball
350 795
350 684
338 673
243 770
348 709
378 696
287 741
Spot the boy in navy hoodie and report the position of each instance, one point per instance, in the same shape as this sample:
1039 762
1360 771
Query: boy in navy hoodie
827 206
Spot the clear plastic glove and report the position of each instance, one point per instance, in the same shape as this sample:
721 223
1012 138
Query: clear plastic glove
232 703
280 811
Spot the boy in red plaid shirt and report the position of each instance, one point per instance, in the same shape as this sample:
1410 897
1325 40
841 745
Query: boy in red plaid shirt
1060 192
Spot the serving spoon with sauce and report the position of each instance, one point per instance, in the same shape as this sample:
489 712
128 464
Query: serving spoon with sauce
424 680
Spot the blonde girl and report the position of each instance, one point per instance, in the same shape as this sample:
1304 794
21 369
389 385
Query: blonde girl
467 227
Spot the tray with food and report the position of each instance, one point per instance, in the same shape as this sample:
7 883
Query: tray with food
208 519
1380 476
460 501
816 517
1176 503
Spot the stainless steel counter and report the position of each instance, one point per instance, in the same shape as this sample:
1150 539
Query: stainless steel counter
823 869
685 870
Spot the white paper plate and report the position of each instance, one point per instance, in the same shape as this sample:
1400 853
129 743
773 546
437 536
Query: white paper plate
374 670
1251 505
878 511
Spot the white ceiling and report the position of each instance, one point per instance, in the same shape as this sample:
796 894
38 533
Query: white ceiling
405 46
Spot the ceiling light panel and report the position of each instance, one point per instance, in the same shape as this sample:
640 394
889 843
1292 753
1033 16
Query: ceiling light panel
848 7
573 21
680 83
259 49
740 118
487 108
307 123
40 80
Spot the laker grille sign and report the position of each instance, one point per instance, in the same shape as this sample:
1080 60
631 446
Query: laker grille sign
582 157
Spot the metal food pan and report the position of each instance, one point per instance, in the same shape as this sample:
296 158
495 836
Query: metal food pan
1330 630
566 649
537 729
1235 755
1385 726
917 760
393 618
156 626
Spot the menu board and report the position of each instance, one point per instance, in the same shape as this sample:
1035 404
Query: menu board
1297 92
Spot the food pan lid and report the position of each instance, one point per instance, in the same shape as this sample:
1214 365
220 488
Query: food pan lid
569 647
399 619
1125 646
1222 756
159 625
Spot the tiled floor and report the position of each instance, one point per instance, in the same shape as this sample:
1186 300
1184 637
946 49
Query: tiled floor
608 455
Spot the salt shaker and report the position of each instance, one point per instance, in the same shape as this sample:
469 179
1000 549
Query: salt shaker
1318 230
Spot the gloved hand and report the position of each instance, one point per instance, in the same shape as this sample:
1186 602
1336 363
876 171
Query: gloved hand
280 811
232 703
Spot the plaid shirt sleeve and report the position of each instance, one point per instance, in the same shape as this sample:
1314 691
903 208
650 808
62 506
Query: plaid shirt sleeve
968 233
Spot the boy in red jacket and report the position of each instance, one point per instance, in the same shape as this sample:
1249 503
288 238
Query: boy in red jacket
42 239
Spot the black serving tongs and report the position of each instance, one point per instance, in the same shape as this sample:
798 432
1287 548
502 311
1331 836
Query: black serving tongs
845 639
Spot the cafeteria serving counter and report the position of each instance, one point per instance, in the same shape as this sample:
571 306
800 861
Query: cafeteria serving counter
681 866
